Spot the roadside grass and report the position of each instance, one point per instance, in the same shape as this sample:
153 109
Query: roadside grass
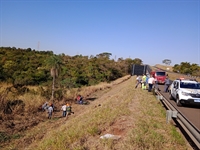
152 132
92 123
145 127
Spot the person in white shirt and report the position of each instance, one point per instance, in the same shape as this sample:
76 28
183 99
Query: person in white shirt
151 82
64 109
139 81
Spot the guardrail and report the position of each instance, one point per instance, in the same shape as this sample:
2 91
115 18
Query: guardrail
192 131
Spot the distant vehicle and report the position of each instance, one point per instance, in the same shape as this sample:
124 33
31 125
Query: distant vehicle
185 91
160 76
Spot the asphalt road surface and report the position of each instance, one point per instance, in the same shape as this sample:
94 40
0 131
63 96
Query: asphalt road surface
191 112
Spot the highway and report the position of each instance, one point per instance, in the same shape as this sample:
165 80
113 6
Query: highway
188 116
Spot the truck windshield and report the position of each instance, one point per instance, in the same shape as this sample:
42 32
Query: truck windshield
160 73
190 85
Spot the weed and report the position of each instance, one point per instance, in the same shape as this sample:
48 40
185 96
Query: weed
4 137
16 136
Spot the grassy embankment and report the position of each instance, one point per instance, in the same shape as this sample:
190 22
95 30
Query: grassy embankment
133 114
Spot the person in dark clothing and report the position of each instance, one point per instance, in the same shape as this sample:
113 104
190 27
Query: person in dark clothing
167 84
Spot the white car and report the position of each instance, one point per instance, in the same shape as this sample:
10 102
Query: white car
185 92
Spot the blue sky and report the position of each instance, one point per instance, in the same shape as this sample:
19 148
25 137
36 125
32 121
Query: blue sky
152 30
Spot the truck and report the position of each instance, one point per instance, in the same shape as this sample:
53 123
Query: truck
160 76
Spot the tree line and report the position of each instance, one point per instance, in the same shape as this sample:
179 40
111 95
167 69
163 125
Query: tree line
30 67
187 68
184 68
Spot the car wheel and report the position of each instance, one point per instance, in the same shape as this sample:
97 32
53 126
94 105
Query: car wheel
178 103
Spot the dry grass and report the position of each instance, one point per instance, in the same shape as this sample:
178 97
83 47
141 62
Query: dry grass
165 67
133 114
86 91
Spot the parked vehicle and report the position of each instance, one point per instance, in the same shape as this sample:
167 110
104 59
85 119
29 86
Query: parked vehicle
160 76
185 91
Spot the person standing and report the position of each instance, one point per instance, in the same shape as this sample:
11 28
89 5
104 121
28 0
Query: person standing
138 80
50 111
64 109
151 81
167 84
68 109
144 82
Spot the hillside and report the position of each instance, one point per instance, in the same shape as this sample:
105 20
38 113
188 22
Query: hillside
164 67
133 115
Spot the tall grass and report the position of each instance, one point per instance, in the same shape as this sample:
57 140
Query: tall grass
135 111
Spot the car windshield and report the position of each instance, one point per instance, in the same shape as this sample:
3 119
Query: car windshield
189 85
160 73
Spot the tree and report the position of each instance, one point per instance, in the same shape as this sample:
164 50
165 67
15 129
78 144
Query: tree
166 61
176 68
55 63
137 61
105 55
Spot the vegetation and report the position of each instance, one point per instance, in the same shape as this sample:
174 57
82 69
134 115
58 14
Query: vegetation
29 78
29 67
132 114
174 75
187 68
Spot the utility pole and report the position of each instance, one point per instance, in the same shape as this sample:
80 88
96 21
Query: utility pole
38 46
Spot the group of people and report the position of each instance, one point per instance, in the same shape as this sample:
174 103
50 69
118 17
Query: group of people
67 110
149 82
49 107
